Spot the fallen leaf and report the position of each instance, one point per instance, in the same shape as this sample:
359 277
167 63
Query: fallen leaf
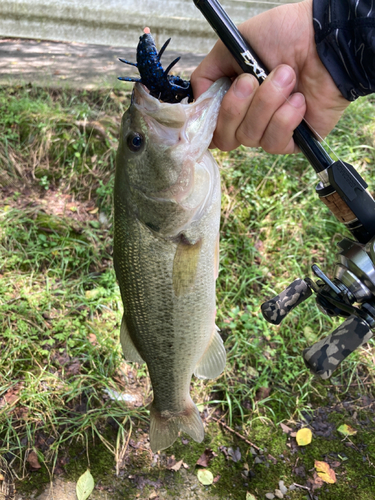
1 477
336 463
235 454
176 466
92 339
33 460
94 210
85 486
205 477
325 472
153 496
285 428
304 437
315 483
205 458
250 496
347 430
216 478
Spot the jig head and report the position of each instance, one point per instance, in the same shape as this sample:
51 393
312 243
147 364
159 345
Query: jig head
165 87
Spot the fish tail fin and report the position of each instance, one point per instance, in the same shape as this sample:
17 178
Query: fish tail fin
164 429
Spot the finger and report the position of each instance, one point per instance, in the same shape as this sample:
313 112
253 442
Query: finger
269 97
233 111
219 62
278 136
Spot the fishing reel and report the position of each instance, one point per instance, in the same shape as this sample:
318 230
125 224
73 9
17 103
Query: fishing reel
350 294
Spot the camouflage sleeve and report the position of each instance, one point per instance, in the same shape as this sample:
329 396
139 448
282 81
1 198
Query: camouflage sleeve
326 355
345 41
275 310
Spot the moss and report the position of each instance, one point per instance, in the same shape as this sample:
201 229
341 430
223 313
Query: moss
36 482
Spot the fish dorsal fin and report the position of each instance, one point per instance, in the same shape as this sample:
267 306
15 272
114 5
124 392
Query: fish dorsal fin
128 348
212 363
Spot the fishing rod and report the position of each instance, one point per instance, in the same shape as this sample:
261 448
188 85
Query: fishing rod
351 293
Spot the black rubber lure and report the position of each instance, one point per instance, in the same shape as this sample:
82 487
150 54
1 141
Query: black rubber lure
165 87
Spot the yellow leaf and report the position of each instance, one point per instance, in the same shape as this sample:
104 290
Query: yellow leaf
304 437
347 430
325 472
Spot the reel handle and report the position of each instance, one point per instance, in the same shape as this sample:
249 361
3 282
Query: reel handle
275 310
326 355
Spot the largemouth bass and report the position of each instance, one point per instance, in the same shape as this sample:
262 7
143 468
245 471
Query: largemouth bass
166 252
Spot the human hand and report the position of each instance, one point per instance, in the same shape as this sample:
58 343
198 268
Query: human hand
299 86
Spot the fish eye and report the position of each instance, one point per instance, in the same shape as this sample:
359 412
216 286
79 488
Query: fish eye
135 142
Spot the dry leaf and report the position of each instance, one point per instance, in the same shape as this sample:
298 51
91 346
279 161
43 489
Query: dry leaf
234 454
176 466
206 456
92 339
285 428
153 496
1 477
304 437
325 472
33 460
347 430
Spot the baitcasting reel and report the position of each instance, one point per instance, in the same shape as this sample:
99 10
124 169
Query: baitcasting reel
351 294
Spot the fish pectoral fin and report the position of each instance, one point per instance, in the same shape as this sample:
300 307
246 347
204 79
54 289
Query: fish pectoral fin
185 266
128 348
164 429
212 363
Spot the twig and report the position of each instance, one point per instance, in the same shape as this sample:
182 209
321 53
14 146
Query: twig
236 433
303 487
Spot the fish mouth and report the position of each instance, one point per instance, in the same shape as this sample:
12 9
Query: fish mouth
182 125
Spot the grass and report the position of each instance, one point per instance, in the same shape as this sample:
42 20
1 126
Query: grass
60 307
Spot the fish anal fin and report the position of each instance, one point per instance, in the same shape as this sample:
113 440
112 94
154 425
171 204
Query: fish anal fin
164 429
185 266
212 362
128 348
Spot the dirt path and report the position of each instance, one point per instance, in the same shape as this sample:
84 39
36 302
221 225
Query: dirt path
80 65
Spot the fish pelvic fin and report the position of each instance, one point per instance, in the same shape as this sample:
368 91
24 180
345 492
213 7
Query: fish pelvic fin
164 429
128 348
212 363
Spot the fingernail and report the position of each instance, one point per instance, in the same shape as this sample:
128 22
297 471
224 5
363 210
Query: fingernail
243 86
297 100
283 76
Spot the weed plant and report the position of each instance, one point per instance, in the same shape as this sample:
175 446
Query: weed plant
60 307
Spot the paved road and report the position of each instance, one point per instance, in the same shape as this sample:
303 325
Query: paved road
74 64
